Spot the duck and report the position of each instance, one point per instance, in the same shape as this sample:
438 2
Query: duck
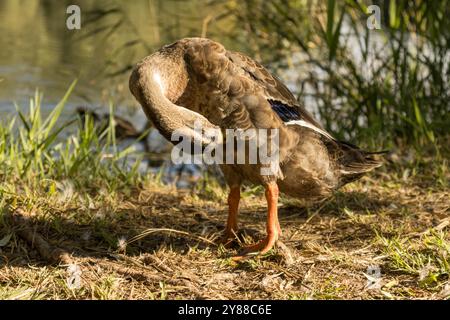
123 128
198 81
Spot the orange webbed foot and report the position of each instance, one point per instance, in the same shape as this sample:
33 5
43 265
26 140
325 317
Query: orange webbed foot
257 249
273 226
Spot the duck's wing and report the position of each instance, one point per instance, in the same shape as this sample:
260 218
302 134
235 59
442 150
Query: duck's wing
281 99
252 95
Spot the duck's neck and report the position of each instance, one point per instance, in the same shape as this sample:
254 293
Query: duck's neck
150 86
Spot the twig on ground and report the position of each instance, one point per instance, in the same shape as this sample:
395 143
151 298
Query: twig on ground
48 252
155 230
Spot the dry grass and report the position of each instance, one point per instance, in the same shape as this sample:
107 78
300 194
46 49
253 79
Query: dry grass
401 227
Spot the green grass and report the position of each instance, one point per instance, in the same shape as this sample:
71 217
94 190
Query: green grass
35 152
426 256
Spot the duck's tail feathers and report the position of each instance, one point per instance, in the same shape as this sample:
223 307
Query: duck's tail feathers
355 162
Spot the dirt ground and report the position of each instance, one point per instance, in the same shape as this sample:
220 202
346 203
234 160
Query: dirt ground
381 238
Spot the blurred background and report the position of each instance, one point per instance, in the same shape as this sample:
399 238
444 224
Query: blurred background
381 88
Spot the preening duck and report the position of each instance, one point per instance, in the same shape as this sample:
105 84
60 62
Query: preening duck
196 80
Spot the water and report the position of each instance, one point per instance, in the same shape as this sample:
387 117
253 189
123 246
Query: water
37 51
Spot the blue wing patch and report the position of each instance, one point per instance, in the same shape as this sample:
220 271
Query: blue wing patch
286 113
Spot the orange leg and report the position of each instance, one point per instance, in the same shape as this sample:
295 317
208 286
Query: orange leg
273 226
233 208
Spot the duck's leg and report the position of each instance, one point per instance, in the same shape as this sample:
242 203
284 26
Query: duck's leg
233 209
273 225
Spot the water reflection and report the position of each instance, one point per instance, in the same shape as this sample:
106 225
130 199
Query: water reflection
37 50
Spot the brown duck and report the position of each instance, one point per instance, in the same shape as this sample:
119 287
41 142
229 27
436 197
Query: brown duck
197 79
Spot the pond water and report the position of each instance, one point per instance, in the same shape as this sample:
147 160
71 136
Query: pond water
38 52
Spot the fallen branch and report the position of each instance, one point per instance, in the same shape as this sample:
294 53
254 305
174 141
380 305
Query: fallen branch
35 240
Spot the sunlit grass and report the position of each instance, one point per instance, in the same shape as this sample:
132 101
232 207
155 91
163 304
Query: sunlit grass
426 256
35 154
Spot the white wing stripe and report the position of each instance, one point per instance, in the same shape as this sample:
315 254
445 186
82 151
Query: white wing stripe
305 124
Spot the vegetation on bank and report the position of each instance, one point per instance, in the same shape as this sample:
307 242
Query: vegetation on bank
120 235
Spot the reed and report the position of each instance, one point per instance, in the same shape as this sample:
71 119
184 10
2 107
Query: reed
35 150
